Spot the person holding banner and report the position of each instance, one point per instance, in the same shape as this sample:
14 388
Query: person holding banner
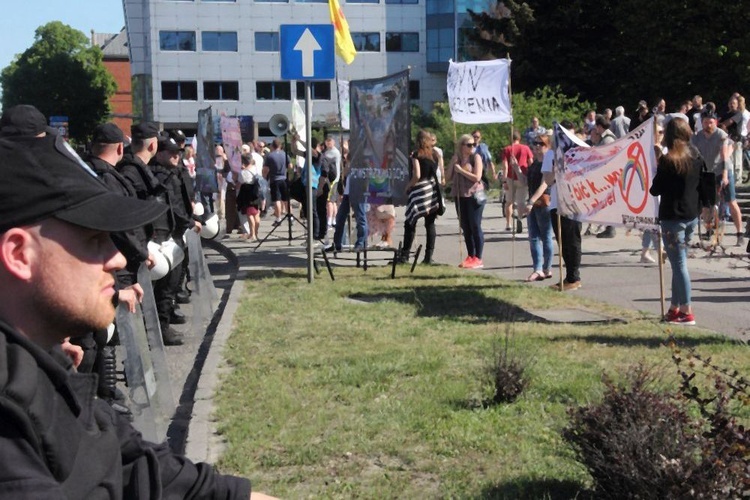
465 173
677 182
537 208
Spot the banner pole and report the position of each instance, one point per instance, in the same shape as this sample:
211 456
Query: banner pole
560 247
515 209
457 195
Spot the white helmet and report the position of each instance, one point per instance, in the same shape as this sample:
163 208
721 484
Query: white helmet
210 228
168 255
198 209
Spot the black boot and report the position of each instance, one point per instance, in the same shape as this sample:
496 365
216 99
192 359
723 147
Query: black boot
430 247
409 232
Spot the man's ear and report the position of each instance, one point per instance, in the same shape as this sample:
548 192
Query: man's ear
17 252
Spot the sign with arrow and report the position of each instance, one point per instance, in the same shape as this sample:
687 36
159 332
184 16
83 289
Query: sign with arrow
307 52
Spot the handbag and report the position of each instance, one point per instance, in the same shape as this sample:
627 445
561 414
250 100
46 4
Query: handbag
480 197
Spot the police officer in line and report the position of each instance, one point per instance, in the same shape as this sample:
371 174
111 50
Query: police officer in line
188 197
166 168
107 149
134 167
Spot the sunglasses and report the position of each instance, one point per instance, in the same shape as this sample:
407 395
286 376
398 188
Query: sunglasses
470 144
477 137
537 144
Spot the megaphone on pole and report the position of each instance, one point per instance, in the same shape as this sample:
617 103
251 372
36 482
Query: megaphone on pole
279 124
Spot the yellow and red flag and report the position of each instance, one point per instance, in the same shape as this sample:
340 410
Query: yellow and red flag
343 38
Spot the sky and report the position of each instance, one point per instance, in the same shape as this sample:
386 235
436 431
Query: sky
20 19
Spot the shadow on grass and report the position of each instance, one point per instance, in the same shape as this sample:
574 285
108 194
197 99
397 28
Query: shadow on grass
649 342
463 303
552 489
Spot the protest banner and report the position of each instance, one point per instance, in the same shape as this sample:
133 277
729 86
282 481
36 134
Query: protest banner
609 184
479 91
231 139
379 142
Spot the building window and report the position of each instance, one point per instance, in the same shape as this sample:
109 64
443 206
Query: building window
219 41
319 91
221 91
366 42
273 91
177 40
267 41
179 91
362 1
414 90
440 7
402 1
229 1
311 1
402 42
271 1
440 45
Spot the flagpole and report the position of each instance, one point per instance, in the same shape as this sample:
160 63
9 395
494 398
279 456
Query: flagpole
558 230
513 223
659 246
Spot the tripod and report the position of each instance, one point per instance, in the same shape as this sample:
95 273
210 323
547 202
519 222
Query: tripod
289 218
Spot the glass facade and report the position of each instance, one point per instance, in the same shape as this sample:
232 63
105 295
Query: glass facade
447 23
177 40
267 41
219 41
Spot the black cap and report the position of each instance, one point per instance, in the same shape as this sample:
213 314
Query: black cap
108 133
22 120
144 130
178 135
44 177
167 144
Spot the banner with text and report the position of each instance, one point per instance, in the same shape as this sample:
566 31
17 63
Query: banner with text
479 91
609 184
379 139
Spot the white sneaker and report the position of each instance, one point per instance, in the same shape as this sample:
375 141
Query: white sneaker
647 259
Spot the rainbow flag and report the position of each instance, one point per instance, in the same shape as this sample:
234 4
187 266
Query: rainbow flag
343 38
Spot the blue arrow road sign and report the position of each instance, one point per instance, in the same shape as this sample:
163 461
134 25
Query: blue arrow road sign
307 52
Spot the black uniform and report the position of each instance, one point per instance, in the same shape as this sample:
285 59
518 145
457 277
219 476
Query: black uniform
59 441
133 243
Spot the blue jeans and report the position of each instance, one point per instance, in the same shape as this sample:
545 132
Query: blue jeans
470 213
361 220
540 238
676 235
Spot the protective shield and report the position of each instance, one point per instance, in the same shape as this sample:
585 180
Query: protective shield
149 388
204 294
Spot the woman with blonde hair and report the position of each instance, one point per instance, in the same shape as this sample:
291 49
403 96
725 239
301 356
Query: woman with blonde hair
677 182
465 174
539 220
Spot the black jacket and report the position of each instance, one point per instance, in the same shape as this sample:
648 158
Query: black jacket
132 244
680 198
57 440
179 206
147 187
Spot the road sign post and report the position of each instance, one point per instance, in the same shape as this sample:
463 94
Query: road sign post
307 54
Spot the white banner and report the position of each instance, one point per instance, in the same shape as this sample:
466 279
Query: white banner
609 184
478 91
343 90
298 120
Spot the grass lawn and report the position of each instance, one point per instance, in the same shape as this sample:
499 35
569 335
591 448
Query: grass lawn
369 387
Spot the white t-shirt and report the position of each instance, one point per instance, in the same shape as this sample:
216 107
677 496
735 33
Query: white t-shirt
744 127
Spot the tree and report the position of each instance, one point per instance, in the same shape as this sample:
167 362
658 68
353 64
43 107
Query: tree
61 74
497 29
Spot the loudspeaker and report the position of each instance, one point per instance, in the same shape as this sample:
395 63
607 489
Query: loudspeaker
279 124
